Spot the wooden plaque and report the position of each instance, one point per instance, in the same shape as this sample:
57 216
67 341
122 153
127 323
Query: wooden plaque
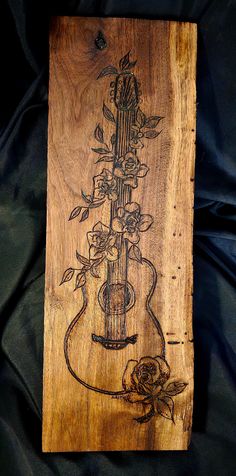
118 348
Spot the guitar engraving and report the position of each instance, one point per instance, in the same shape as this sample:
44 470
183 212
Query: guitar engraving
113 247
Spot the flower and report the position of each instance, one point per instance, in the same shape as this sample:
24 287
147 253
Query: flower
105 185
130 222
129 169
144 379
102 243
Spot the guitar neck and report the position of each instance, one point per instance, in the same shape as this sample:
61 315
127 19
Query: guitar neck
125 119
115 319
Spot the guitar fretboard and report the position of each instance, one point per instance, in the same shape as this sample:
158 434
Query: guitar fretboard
115 319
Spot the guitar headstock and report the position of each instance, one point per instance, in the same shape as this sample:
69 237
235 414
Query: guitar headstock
125 92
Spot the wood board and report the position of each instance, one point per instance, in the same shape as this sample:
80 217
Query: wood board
118 343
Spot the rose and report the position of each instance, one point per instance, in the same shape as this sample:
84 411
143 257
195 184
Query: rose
102 243
105 185
130 222
144 379
129 169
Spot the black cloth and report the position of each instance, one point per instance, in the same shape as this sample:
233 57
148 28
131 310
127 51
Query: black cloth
23 152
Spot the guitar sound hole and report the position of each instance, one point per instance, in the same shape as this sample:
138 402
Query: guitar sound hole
118 298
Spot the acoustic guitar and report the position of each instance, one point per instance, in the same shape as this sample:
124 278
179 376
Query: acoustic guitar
117 315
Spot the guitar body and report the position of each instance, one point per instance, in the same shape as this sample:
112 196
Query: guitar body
83 354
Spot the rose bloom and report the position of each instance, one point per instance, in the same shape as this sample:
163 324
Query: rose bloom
145 378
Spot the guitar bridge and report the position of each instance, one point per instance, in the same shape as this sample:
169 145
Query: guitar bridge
115 344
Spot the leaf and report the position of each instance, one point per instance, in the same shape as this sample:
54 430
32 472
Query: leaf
82 259
140 118
80 280
107 71
99 134
108 114
174 388
87 198
124 61
132 64
135 253
100 150
105 158
151 134
143 170
85 215
67 276
113 139
96 254
96 205
165 407
152 121
75 213
94 271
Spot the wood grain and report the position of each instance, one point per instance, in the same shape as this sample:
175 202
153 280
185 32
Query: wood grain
76 418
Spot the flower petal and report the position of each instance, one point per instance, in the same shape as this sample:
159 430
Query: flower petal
120 159
127 381
145 222
99 226
120 212
112 195
132 181
143 170
118 172
136 144
98 180
157 389
91 236
117 225
148 360
131 155
164 369
108 174
96 253
132 207
98 194
133 237
111 240
112 253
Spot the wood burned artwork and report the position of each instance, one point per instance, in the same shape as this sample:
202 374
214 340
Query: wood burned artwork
118 352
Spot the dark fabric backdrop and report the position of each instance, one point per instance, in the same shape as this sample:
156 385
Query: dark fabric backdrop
23 150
